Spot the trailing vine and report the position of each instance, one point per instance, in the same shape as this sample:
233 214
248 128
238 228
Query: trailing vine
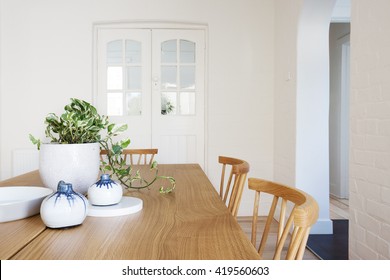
116 165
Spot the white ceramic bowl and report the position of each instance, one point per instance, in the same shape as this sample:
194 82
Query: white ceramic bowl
20 202
77 164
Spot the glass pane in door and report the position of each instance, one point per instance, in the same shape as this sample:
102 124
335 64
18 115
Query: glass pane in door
114 78
168 103
168 77
187 77
114 52
114 104
134 77
187 51
133 103
187 103
169 51
133 51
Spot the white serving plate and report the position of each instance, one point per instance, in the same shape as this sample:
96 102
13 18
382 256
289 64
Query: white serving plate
19 202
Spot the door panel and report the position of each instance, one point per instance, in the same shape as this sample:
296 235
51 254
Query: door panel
178 95
124 67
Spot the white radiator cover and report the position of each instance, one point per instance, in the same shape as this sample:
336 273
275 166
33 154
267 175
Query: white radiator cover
24 160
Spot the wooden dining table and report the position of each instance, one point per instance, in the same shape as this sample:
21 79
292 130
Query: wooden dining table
191 223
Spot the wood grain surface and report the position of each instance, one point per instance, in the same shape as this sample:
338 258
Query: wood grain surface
190 223
16 234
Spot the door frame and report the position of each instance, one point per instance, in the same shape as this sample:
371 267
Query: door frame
344 43
153 25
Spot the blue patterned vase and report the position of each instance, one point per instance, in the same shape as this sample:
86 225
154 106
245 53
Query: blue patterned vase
64 208
105 192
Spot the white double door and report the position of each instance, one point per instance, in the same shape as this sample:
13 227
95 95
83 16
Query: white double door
153 80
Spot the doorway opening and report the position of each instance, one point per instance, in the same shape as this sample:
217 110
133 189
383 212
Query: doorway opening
152 77
339 61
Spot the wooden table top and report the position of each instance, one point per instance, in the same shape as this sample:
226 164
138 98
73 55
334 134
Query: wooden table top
190 223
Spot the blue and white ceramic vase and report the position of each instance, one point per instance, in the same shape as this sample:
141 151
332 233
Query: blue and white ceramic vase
64 208
105 192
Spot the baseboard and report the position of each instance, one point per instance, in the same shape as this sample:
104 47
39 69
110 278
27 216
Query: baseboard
323 226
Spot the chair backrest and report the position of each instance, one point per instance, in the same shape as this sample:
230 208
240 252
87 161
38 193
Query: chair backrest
231 192
140 156
136 156
298 212
103 154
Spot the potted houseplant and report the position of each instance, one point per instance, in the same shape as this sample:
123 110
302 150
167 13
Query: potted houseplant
73 151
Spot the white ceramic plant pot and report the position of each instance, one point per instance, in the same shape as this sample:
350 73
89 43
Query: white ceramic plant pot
77 164
64 208
105 192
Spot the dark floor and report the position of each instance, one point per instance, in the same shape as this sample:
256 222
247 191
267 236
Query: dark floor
331 246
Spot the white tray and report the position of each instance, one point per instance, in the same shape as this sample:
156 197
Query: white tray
19 202
128 205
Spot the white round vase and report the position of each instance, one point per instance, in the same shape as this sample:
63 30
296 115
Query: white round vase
77 164
64 208
105 192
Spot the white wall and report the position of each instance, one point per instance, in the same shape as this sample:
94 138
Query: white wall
286 30
312 152
370 120
46 58
302 100
370 131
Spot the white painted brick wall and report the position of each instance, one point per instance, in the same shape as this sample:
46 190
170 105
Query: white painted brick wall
370 131
385 233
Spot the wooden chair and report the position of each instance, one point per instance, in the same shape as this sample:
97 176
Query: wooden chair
136 156
298 212
231 192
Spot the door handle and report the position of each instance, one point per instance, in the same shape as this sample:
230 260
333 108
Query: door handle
155 81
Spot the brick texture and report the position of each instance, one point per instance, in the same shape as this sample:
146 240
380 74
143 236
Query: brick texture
370 130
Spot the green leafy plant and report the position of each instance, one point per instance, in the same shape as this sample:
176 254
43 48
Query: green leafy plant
166 106
81 123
